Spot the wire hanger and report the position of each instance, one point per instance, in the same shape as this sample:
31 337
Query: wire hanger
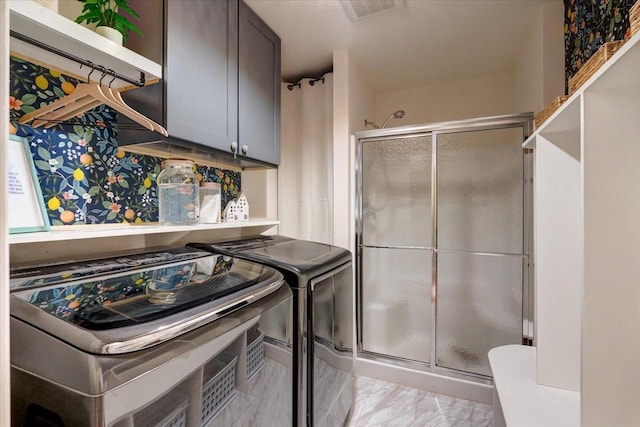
85 97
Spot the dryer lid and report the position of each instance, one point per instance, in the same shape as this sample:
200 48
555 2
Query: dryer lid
298 256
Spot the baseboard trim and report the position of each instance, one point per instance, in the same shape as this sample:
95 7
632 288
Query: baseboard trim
428 381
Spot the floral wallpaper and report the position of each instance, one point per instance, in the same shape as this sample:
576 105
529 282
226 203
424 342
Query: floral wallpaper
589 24
85 178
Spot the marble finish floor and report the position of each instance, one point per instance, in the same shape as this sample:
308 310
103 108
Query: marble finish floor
379 403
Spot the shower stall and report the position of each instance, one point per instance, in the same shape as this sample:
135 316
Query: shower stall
443 223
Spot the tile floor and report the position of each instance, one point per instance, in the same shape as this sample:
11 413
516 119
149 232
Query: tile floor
379 403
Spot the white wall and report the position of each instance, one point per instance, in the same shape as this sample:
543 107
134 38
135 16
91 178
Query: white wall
553 50
558 257
527 72
261 188
5 367
611 295
464 99
341 232
353 102
535 79
538 75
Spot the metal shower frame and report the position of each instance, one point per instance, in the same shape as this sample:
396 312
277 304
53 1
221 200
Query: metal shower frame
524 120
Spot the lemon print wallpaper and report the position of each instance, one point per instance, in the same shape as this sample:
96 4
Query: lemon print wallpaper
590 23
85 178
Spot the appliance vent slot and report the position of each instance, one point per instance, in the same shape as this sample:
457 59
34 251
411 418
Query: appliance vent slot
357 9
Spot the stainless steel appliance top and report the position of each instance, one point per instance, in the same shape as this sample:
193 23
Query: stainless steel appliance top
127 303
300 257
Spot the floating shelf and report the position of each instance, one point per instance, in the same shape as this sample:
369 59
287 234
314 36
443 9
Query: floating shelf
619 72
63 233
37 22
565 120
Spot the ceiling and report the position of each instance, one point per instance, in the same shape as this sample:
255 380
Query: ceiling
424 42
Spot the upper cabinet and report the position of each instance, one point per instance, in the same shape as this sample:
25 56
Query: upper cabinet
258 88
221 86
33 26
202 72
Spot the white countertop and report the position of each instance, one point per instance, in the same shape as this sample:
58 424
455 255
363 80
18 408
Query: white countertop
525 403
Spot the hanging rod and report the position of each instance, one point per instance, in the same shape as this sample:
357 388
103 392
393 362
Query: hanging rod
299 84
81 61
313 82
127 126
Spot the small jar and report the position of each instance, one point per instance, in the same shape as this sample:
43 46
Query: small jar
178 193
210 193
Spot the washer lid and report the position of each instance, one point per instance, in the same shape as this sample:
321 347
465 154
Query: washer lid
39 275
132 308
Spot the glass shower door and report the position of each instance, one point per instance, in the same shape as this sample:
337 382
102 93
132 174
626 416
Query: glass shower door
480 246
397 247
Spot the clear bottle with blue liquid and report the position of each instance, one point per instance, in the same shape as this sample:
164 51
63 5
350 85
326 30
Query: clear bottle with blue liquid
178 193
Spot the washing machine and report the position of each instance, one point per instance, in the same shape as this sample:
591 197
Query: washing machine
160 337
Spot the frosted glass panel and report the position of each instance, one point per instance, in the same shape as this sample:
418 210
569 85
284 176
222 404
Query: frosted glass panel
480 191
479 307
396 315
396 192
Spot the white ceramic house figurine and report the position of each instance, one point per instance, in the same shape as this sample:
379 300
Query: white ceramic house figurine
230 212
237 210
242 207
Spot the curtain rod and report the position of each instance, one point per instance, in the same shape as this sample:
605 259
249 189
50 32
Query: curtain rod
299 84
80 61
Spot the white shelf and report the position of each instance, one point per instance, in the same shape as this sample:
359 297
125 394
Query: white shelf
63 233
587 182
621 71
565 120
524 402
37 22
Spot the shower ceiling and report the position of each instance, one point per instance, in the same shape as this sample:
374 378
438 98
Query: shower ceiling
424 42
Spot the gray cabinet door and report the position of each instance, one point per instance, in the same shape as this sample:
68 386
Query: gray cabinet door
258 89
148 100
201 71
197 43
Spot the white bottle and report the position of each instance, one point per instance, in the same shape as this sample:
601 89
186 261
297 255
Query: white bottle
210 202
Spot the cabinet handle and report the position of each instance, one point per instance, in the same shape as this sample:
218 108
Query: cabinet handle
245 149
234 146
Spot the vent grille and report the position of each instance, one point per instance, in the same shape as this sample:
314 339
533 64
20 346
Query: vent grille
357 9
